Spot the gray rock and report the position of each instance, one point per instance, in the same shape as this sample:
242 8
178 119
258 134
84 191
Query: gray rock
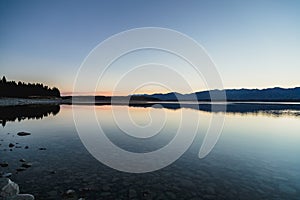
11 192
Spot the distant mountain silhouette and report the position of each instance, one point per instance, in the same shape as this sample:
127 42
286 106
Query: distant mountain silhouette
271 94
25 90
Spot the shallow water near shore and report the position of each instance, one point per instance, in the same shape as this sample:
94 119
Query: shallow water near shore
256 156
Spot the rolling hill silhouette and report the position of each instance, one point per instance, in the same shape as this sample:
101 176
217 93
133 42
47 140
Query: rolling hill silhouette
268 95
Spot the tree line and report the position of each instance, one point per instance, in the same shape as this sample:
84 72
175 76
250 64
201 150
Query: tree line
25 90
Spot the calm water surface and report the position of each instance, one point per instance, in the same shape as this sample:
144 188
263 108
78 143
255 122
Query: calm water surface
256 156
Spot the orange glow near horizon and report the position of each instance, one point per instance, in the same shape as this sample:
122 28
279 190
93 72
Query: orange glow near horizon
156 90
86 93
111 93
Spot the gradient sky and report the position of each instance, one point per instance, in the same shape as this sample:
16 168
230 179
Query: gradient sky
255 44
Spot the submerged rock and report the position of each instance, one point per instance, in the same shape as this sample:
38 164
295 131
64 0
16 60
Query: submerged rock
4 164
86 189
70 192
70 195
23 134
20 169
6 175
26 165
10 191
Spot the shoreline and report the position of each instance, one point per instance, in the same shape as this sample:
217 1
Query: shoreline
29 101
61 101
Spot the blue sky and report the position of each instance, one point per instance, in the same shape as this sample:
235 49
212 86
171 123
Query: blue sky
255 44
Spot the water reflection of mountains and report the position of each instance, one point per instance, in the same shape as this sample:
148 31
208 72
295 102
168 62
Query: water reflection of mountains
275 109
22 112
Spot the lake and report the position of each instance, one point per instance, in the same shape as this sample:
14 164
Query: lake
255 157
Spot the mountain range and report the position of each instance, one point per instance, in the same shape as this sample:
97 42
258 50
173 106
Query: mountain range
269 94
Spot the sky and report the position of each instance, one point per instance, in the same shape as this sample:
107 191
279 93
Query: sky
254 44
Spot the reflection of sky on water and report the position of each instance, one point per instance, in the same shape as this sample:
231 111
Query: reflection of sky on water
255 151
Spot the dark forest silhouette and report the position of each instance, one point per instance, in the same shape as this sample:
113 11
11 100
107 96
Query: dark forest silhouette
25 90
